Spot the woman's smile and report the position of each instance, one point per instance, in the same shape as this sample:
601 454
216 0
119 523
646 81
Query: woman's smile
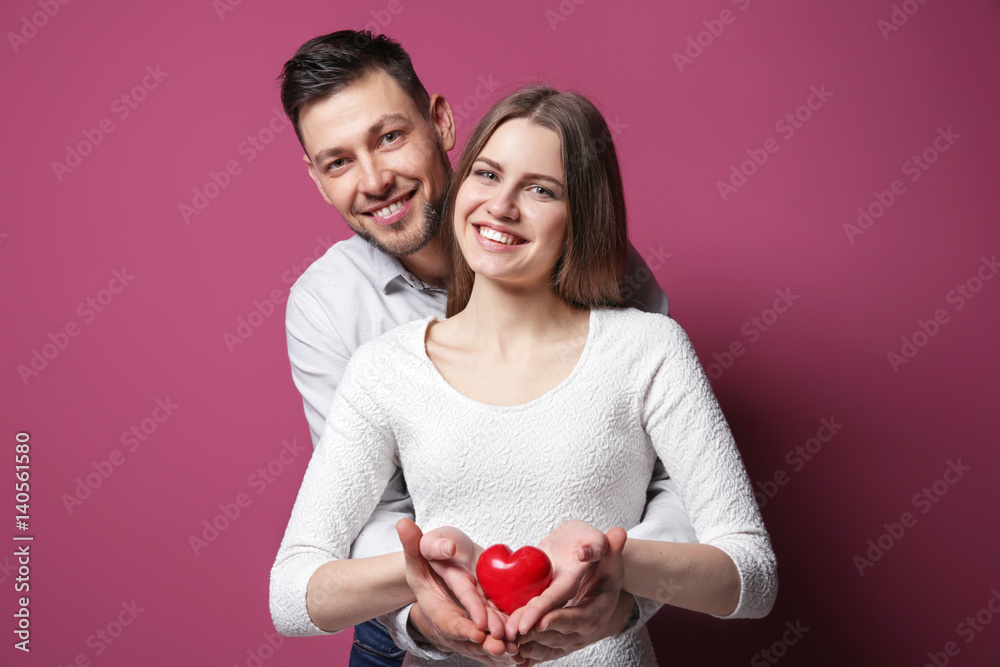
510 211
491 236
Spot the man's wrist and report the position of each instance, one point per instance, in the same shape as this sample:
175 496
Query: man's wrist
634 613
415 634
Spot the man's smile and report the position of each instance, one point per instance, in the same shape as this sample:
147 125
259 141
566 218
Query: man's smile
392 211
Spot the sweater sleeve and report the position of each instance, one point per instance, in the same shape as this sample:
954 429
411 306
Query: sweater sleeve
350 466
689 432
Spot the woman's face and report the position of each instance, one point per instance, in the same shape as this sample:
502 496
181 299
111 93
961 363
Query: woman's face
510 212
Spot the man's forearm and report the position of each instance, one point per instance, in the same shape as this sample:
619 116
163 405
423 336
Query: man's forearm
343 593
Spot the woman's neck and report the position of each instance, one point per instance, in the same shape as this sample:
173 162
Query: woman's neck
507 318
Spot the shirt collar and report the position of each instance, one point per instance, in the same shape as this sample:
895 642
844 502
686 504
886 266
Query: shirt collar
389 269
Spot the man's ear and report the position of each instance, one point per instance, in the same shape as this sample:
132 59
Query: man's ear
312 175
443 121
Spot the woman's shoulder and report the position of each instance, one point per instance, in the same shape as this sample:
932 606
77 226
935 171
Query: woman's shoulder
643 341
635 322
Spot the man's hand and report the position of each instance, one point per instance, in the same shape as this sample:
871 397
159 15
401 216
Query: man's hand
453 556
437 614
589 565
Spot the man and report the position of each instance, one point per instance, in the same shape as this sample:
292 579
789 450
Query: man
376 146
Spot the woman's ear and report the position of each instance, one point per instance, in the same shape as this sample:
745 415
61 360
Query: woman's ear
443 121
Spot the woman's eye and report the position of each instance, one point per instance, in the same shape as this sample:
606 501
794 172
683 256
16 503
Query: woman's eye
539 190
487 174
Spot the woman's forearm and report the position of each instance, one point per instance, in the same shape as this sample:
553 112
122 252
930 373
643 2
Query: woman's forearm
698 577
346 592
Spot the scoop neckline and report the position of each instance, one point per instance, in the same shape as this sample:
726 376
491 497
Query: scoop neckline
592 324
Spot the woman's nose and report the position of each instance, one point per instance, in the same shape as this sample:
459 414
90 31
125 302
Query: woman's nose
503 205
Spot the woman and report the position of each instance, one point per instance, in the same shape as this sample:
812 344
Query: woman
539 399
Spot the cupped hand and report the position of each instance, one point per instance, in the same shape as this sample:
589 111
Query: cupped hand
438 614
575 549
453 556
600 610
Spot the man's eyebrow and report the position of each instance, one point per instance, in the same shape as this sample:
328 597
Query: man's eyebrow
528 177
385 121
377 128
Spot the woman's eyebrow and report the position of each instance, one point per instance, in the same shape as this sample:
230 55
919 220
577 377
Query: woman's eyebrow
528 177
495 166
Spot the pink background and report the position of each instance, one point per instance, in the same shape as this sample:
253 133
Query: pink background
680 130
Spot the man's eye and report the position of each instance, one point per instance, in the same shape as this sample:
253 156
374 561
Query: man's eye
336 164
391 137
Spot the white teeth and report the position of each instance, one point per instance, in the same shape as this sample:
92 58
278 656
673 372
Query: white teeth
392 208
494 235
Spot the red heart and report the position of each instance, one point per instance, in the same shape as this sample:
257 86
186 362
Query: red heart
511 579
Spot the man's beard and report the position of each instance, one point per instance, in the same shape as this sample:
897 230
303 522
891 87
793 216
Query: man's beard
432 221
432 211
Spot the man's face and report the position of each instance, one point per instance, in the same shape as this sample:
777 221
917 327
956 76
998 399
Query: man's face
379 161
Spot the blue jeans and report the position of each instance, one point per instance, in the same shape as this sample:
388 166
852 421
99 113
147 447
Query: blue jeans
373 647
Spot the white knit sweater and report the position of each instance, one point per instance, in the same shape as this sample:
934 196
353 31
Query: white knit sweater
510 474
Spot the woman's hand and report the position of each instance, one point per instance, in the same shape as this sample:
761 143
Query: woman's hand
586 565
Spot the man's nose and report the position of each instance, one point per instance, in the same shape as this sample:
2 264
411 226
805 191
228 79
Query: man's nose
375 178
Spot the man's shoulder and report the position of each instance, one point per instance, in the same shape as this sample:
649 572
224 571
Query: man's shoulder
345 263
640 287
